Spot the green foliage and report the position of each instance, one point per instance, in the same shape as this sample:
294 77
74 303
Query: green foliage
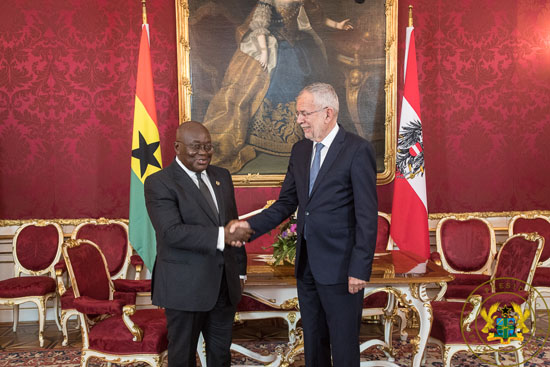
284 248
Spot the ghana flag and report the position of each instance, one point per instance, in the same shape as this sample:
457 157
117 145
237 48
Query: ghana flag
146 158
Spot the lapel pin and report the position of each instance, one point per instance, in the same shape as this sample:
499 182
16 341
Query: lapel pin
218 183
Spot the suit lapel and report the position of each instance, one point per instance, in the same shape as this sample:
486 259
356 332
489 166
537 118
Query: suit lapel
330 158
216 185
183 179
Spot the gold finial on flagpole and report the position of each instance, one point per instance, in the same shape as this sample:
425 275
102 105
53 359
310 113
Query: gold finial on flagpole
144 11
410 15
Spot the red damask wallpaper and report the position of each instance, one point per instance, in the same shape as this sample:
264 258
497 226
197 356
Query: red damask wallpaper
67 82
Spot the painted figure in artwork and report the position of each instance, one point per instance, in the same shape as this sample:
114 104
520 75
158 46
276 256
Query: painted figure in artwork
279 53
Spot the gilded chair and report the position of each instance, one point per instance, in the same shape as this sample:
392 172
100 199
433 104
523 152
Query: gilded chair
457 329
536 223
112 329
466 248
112 238
36 249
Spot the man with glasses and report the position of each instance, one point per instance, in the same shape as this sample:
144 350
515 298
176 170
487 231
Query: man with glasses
196 273
331 179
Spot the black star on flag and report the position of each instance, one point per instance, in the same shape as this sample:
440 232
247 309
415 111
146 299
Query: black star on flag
145 154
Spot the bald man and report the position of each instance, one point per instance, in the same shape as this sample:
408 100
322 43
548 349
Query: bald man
196 273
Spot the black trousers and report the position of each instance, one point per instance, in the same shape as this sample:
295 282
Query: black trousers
331 319
216 325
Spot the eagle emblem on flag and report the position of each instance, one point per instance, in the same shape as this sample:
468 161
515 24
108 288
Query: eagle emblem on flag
410 150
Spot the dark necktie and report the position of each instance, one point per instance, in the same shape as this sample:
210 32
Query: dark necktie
315 166
207 195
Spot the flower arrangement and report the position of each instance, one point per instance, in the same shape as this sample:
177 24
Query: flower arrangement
284 248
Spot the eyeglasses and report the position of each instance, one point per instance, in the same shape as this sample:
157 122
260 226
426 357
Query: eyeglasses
307 114
195 148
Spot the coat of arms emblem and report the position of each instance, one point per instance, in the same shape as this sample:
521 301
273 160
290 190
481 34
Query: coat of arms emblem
505 323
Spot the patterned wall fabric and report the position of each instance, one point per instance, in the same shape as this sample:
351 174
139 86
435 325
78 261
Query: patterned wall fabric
67 87
484 75
67 84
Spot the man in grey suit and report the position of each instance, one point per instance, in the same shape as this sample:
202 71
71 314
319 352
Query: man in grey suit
196 273
331 179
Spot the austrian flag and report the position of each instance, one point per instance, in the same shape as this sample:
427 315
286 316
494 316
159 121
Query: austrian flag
409 222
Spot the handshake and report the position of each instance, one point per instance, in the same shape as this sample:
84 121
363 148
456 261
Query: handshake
237 233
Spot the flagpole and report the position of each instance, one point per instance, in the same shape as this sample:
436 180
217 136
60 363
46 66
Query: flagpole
144 11
410 14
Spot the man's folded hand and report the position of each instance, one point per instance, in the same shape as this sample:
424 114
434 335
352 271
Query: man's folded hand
237 233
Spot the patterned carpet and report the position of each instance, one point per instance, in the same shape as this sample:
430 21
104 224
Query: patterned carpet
21 349
70 357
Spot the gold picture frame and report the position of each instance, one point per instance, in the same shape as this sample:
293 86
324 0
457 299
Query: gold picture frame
355 58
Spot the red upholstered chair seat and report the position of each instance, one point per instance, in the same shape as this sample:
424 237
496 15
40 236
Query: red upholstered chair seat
26 286
112 336
112 238
376 300
36 247
68 300
447 321
464 284
542 276
112 329
249 304
447 318
469 279
511 281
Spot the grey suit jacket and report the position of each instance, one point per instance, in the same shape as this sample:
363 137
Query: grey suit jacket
188 268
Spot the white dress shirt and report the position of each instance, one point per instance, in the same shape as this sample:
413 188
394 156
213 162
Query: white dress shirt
193 175
327 141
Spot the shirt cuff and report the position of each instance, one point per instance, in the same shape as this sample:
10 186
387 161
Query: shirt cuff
243 277
221 239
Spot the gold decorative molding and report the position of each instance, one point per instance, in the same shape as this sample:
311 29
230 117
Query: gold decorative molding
290 304
60 221
254 182
436 216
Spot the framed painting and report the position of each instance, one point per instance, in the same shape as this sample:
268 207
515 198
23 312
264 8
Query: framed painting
242 63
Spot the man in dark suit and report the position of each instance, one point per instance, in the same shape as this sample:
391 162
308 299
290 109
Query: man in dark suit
196 272
331 179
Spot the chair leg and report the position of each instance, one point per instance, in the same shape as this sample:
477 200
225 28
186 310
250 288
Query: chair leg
56 309
497 359
388 325
64 321
84 360
519 357
201 351
41 320
533 309
448 354
15 317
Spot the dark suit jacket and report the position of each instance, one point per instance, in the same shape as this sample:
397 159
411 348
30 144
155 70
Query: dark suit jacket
341 214
188 268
